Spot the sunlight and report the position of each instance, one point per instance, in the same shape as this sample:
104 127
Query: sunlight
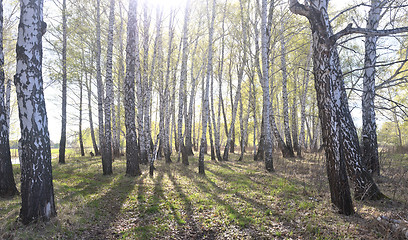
168 4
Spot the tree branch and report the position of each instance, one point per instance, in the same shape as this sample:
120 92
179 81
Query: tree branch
298 8
370 32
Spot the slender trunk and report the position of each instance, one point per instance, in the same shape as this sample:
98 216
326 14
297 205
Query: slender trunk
89 90
7 183
132 73
302 141
99 84
183 80
189 114
205 109
107 160
369 131
117 123
285 99
81 142
37 191
167 127
63 139
146 154
265 87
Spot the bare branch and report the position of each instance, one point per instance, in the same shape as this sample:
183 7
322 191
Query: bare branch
370 32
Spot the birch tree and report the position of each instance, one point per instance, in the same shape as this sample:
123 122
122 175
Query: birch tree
37 191
99 83
107 160
205 108
339 133
132 73
267 108
369 131
183 80
64 85
7 183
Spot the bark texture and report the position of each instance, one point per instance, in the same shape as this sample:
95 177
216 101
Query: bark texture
37 191
132 72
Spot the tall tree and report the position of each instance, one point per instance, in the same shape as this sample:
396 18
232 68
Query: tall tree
99 83
369 131
64 85
132 73
183 80
267 108
37 191
7 183
107 160
205 114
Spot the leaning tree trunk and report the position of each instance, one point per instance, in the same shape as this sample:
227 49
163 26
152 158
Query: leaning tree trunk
369 131
7 183
339 134
37 191
63 140
107 161
132 72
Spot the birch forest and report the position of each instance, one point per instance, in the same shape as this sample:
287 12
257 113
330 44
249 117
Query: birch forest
211 119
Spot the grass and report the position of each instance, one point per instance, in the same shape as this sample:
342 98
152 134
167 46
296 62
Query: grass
234 200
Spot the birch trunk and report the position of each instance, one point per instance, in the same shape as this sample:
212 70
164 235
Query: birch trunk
90 114
37 191
146 155
205 109
167 127
63 140
99 84
116 118
183 80
132 73
369 131
302 141
7 183
285 99
265 88
107 161
81 142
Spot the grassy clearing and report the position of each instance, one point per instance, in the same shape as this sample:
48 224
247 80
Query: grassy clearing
234 200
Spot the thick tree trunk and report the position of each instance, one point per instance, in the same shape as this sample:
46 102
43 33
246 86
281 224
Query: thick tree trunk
107 161
132 73
63 140
7 183
369 131
37 191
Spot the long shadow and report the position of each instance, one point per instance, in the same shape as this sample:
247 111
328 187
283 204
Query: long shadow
241 220
107 208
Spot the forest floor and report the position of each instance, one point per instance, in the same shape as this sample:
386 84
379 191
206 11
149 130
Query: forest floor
234 200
